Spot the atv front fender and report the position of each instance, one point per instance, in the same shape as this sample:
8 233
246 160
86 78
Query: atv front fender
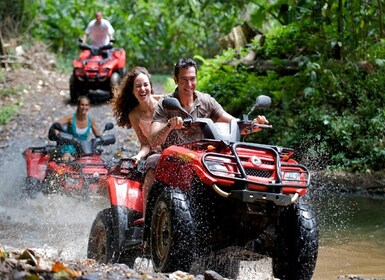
119 223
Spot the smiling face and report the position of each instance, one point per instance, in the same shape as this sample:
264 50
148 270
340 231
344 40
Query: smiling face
186 81
142 87
83 106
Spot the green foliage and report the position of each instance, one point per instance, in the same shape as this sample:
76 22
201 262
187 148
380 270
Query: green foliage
169 85
8 99
350 115
231 82
330 111
154 33
6 112
8 91
291 41
14 17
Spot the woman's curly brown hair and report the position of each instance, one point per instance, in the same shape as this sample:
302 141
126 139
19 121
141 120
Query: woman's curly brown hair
124 99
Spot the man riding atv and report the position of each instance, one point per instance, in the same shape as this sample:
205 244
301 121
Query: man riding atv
100 31
100 66
212 195
167 127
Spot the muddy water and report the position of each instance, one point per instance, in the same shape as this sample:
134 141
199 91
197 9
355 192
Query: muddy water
56 225
352 236
352 229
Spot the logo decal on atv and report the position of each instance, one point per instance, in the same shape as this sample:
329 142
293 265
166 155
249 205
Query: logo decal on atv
188 157
255 160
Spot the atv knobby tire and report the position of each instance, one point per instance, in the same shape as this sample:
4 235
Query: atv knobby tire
102 245
115 80
172 232
298 257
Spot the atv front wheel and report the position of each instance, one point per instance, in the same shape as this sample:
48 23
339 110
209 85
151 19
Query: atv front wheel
101 245
172 232
299 247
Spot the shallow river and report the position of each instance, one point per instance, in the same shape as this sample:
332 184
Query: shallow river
352 236
352 229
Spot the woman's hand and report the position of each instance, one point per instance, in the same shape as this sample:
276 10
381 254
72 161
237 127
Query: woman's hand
136 159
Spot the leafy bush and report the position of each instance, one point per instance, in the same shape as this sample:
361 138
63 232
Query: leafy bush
8 99
330 111
6 112
154 33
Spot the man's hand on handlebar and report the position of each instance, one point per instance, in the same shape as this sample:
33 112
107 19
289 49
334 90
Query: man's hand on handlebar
256 125
175 123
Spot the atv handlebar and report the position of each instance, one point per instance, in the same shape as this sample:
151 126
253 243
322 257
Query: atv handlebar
62 137
252 124
220 131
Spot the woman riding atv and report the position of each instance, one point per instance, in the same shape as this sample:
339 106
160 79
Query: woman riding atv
79 125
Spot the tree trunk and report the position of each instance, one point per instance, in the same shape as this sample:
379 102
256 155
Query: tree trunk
2 51
380 19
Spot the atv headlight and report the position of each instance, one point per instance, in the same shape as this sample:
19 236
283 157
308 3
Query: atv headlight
79 72
216 167
291 176
105 71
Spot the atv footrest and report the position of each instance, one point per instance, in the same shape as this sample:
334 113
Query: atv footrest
134 236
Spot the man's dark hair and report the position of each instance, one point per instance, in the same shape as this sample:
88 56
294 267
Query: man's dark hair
184 63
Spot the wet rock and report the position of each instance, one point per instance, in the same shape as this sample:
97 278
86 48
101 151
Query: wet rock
199 277
212 275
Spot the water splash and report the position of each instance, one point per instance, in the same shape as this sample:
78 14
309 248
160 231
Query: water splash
58 225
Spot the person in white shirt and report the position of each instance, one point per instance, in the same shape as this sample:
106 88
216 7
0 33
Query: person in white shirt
100 31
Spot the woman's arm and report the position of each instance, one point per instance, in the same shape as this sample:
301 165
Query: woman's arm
144 144
95 129
65 121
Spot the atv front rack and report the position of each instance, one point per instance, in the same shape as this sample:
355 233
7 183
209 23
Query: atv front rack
250 164
81 172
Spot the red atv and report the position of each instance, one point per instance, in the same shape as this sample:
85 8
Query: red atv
209 197
97 71
47 173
